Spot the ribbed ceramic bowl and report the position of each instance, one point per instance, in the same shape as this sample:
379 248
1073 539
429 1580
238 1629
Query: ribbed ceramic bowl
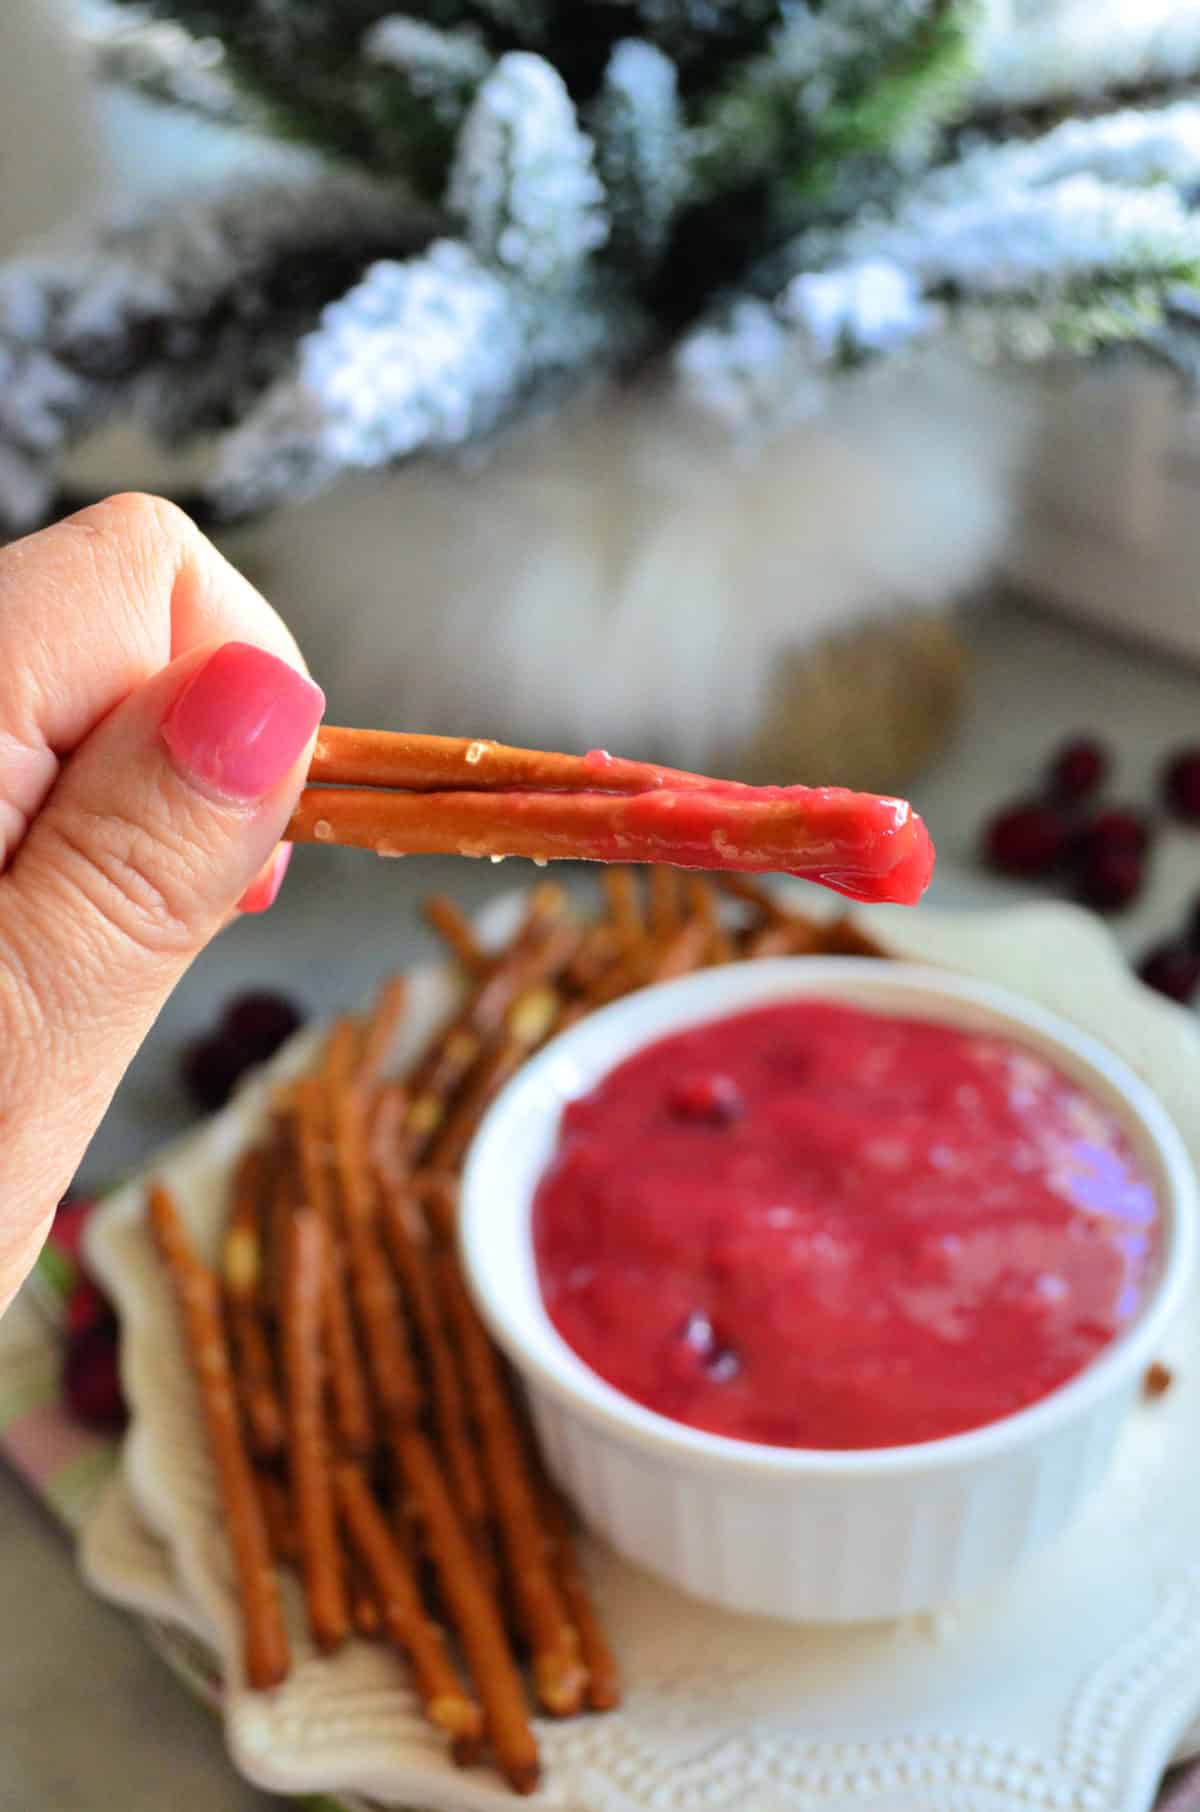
809 1535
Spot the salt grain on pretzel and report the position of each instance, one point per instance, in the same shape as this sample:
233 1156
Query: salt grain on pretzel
264 1641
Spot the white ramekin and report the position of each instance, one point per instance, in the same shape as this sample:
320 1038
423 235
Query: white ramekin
803 1534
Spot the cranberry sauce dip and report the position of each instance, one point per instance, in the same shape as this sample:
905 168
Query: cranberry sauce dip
814 1226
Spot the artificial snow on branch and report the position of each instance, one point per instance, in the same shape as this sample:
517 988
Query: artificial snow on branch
176 316
524 183
637 125
1084 50
420 356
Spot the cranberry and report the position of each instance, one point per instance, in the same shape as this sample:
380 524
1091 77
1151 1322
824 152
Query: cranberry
1078 768
91 1379
259 1022
1173 970
706 1099
1110 877
212 1069
1181 785
1114 827
88 1308
1027 839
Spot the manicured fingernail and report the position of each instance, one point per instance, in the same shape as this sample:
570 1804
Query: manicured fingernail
241 722
263 892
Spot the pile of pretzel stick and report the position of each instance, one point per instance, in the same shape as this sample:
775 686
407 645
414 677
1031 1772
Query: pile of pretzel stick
361 1425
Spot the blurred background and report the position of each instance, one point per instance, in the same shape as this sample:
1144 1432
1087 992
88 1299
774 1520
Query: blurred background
800 391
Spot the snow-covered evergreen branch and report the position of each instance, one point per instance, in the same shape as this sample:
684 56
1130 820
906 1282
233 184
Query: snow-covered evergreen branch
422 356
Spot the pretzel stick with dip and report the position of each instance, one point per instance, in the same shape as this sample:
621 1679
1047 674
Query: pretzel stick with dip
404 1617
443 795
308 1445
264 1641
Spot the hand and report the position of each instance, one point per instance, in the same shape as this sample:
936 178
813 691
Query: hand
155 728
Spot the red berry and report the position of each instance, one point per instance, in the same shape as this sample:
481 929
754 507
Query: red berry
212 1069
1078 768
259 1022
1110 877
88 1308
91 1380
1181 784
1173 970
1027 839
706 1099
1114 827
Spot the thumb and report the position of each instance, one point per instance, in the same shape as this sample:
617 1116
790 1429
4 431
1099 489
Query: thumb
157 825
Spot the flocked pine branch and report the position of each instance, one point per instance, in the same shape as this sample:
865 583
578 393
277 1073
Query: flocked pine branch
422 356
1080 53
523 183
767 184
176 316
637 125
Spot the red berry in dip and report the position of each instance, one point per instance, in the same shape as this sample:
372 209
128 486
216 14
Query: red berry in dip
260 1022
1079 768
907 1230
1028 839
1110 877
1173 970
1181 785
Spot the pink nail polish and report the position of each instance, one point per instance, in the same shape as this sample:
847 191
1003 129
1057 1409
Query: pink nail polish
241 721
263 892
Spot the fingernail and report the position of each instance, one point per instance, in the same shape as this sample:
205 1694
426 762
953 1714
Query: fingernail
263 892
242 721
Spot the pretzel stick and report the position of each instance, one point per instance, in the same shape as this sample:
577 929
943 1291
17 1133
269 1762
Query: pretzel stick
537 954
385 1338
530 1021
277 1513
407 1240
682 952
308 1446
786 937
380 1031
702 901
474 1615
264 1641
663 888
365 1612
558 1672
241 1276
447 1705
414 763
347 1382
603 1679
340 1052
853 843
454 928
